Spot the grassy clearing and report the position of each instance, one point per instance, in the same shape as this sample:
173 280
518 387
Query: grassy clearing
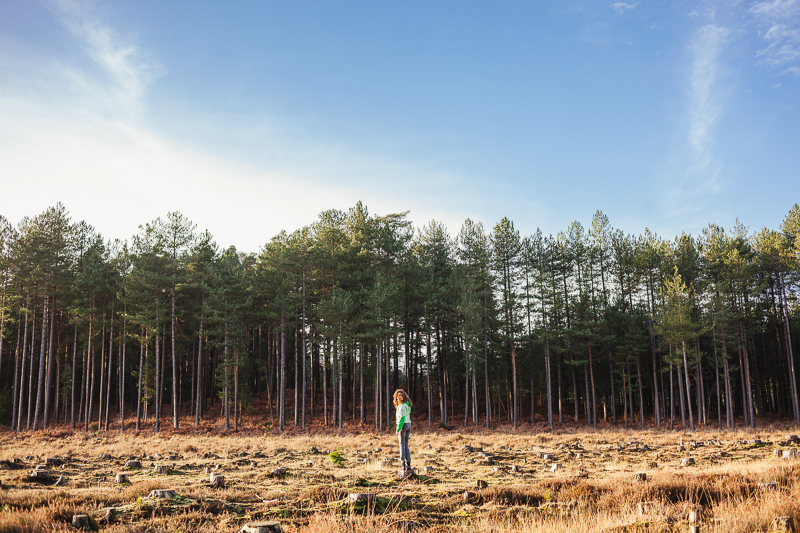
500 481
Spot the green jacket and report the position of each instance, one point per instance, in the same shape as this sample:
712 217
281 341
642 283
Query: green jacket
403 415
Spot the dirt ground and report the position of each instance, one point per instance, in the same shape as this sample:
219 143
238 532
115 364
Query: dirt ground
569 480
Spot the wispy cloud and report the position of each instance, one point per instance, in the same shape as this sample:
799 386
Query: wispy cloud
76 130
125 70
705 104
621 7
778 23
698 167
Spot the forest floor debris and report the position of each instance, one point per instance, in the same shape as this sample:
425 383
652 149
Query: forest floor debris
566 480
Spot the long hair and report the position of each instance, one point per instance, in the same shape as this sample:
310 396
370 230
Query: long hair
399 397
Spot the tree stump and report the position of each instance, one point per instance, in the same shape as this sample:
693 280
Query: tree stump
162 493
81 521
641 476
791 453
792 438
547 457
646 507
360 497
468 496
481 484
161 469
132 463
217 481
55 461
515 468
556 466
40 475
279 472
777 452
694 520
121 477
687 461
262 527
782 524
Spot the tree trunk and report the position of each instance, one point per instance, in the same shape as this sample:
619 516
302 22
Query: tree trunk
362 399
122 374
174 325
159 381
42 363
303 358
50 363
428 376
31 370
141 374
485 366
790 355
198 409
378 391
74 375
282 369
688 389
594 394
110 365
18 372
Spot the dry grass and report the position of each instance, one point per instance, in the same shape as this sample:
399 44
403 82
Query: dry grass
740 487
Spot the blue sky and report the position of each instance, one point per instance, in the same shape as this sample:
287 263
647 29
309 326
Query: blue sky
254 116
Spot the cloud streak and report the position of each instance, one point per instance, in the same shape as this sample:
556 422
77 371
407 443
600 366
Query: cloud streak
778 23
125 71
621 7
704 101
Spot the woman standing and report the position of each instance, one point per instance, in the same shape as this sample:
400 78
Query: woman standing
402 404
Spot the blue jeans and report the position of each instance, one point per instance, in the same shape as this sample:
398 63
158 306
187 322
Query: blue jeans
405 453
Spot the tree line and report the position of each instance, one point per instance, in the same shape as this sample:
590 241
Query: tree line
484 327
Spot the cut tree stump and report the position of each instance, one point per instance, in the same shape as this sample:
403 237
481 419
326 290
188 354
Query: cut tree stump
782 524
262 527
556 466
132 463
162 493
361 497
55 461
217 481
687 461
121 477
81 521
41 475
792 453
161 469
641 476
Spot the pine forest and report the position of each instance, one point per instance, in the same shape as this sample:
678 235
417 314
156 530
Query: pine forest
483 328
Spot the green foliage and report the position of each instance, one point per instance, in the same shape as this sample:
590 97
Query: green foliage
337 457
